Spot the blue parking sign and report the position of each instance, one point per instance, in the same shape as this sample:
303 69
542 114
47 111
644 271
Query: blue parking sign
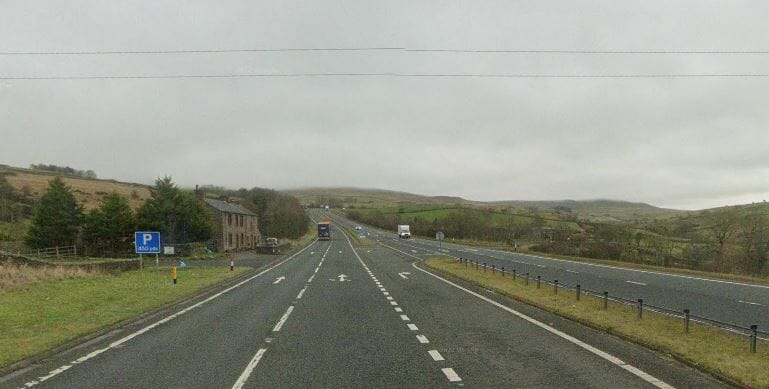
147 242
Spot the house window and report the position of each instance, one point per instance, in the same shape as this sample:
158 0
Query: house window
229 239
229 220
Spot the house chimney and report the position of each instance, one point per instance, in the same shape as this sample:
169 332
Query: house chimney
200 193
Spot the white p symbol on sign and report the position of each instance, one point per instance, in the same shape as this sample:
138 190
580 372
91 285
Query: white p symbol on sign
147 238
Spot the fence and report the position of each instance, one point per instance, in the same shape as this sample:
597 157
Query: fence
57 252
639 305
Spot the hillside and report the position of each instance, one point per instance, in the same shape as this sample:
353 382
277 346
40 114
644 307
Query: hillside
592 210
87 191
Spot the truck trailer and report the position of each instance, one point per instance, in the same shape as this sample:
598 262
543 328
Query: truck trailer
324 230
403 231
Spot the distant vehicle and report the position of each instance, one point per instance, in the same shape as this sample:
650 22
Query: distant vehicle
357 228
403 231
324 230
271 242
326 207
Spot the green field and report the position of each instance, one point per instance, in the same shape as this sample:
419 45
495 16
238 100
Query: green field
43 315
718 352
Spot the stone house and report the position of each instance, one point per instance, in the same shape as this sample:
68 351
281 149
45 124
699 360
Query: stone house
235 228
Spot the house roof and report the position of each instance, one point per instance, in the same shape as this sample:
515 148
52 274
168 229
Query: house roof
228 207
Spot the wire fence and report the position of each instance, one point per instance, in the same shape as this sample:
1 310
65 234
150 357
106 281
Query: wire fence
639 305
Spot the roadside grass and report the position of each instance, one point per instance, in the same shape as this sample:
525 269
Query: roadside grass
38 316
720 353
13 277
363 242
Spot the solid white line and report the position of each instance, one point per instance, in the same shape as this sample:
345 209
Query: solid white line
451 374
127 338
413 327
301 292
283 319
614 360
436 355
249 368
422 339
636 283
404 318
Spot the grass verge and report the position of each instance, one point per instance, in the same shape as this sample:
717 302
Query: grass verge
43 315
717 352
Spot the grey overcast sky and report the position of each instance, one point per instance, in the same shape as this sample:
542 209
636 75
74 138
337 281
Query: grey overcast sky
689 143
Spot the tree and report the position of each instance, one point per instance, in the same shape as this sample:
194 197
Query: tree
721 225
57 217
108 228
178 215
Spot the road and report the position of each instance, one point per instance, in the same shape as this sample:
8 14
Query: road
738 303
333 316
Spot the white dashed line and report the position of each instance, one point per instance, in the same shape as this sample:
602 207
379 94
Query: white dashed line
750 303
390 298
413 327
572 271
422 339
250 368
398 309
393 303
436 355
636 283
383 289
386 293
301 292
283 319
405 318
451 374
310 279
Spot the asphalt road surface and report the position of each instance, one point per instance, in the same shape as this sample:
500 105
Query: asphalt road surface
738 303
332 316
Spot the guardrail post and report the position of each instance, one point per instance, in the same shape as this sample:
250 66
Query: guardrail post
493 269
484 267
514 274
503 272
686 321
605 300
539 279
579 290
527 279
640 308
753 337
465 262
555 286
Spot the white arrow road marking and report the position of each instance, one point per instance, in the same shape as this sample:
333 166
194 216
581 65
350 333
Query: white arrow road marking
404 274
277 280
342 278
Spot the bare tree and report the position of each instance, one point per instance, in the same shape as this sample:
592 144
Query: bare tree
722 225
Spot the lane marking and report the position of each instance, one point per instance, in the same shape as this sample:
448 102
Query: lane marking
404 318
451 374
413 327
301 292
612 359
393 303
385 293
422 339
572 271
250 368
310 279
383 289
390 298
636 283
436 355
118 343
751 303
283 319
398 309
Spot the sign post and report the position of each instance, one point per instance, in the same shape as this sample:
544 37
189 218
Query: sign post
148 242
439 237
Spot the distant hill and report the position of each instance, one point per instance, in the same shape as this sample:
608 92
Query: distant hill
593 210
88 191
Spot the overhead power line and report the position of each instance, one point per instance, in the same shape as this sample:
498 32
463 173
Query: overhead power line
386 75
523 51
211 51
342 49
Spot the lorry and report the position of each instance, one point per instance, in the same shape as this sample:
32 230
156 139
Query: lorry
403 231
324 230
